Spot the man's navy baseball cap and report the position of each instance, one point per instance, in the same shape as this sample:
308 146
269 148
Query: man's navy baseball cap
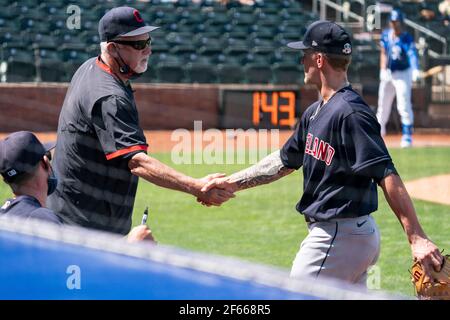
326 37
396 15
122 22
20 152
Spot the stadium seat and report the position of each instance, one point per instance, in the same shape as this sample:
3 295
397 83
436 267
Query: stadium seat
244 19
184 51
282 39
262 54
285 54
57 21
179 38
10 24
9 36
287 73
41 40
268 19
169 72
230 73
90 37
212 53
258 73
21 7
183 3
200 73
262 43
236 53
32 24
48 64
191 14
201 40
263 32
148 76
218 18
273 4
18 64
51 8
202 33
74 54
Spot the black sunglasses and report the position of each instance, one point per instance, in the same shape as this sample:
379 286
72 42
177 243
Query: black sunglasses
138 44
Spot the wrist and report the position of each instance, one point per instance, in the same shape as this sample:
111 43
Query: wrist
234 185
415 237
194 187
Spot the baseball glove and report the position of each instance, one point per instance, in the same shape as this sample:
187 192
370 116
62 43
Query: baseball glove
426 289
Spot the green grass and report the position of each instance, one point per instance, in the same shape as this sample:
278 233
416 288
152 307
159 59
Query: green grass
261 224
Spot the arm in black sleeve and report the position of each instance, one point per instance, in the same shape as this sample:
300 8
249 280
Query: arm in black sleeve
293 150
365 151
116 123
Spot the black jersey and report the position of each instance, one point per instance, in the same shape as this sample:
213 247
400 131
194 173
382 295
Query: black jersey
343 157
98 133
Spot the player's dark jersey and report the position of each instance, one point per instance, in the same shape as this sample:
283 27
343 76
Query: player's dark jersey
342 154
27 207
98 133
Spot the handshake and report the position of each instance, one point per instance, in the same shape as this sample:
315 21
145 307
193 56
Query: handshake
215 189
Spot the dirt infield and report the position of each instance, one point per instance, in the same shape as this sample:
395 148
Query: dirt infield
434 189
165 140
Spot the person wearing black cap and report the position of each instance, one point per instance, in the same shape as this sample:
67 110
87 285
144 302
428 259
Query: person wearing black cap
25 167
101 149
338 143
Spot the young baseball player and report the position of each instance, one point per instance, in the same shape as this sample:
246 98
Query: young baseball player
398 69
338 143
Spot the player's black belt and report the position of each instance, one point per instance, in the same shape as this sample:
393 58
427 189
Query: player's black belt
312 220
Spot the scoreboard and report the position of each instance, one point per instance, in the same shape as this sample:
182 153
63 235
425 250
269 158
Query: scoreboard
260 109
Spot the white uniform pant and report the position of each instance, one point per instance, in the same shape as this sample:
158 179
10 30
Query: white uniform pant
399 84
342 249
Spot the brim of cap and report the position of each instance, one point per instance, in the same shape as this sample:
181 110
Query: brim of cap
139 31
49 145
299 45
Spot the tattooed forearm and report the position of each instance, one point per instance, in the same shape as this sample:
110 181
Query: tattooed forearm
269 169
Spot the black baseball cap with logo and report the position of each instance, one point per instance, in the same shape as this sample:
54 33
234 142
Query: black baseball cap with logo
20 152
325 36
122 22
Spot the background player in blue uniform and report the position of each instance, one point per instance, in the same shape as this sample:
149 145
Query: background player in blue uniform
399 67
338 143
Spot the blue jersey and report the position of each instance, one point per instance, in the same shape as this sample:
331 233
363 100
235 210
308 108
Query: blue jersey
343 157
29 208
400 51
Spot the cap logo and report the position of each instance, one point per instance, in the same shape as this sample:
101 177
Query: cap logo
11 173
314 43
347 48
6 205
137 16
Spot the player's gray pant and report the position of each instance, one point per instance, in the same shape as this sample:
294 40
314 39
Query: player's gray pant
399 83
340 248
